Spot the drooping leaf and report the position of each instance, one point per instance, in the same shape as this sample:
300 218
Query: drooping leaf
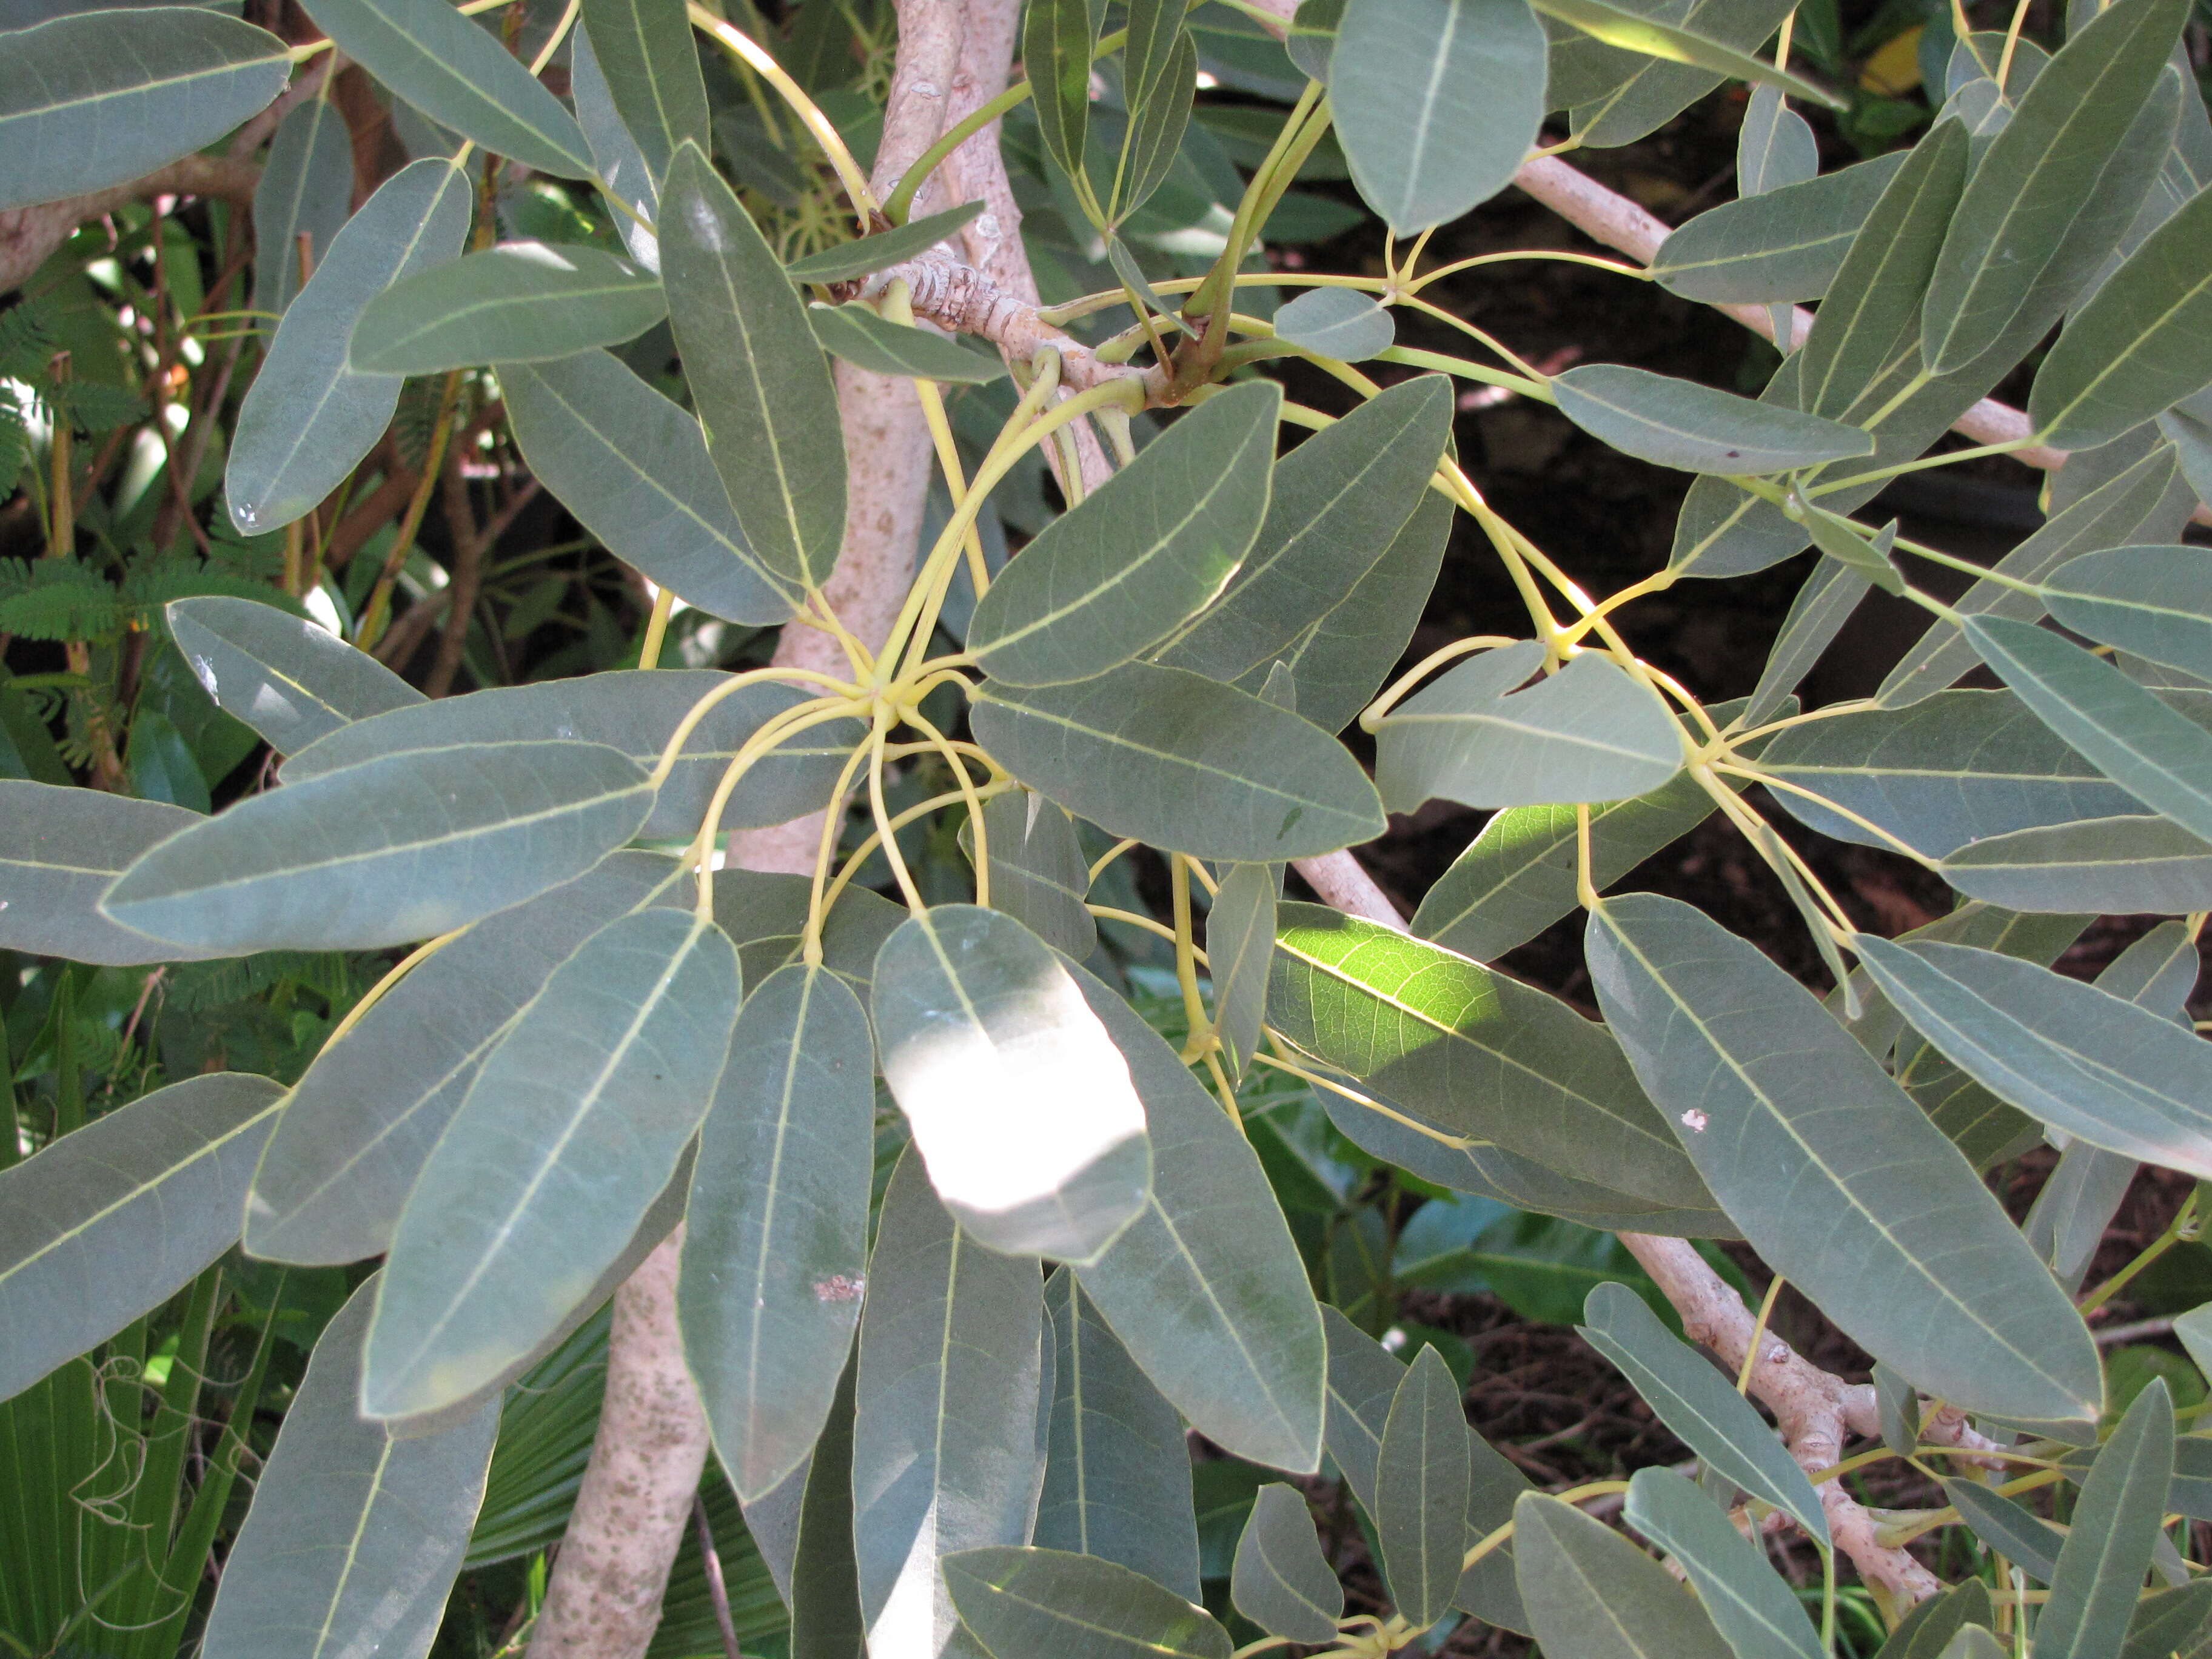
867 339
1421 1490
110 1220
459 76
945 1454
1144 553
354 1536
1240 944
1696 1402
763 387
1755 1611
1160 75
1282 1582
1632 30
1022 1109
1337 322
64 846
1183 762
1117 1468
882 248
1699 429
305 189
1039 876
1205 1288
626 179
1830 593
1615 94
775 1246
1593 1593
290 680
2125 866
1022 1601
2008 1527
309 417
98 98
2116 1525
1775 147
1436 102
824 1585
1057 39
1840 1182
644 49
2151 601
571 1129
518 302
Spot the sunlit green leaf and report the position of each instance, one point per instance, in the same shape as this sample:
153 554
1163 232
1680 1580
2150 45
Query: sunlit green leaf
1634 31
1020 1602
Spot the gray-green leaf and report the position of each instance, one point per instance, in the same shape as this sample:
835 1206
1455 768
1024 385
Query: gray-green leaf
2115 1524
1420 1491
1786 244
881 248
1755 1611
305 189
2132 864
2153 601
1039 876
1337 322
64 846
1240 944
1282 1582
1023 1602
518 302
652 69
866 339
290 680
1596 1596
1699 429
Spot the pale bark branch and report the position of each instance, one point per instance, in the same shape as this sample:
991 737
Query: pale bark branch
1343 883
28 235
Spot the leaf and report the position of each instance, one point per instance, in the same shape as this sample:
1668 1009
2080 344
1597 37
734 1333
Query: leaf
760 382
2166 1622
1240 944
1470 1052
624 177
1636 32
1336 322
635 711
291 681
518 302
1939 775
1756 1613
460 76
1021 1602
1143 553
776 1247
2126 866
823 1591
67 845
309 418
1615 96
1831 594
569 1132
1117 1472
110 1221
98 98
354 1536
1838 1180
1283 1582
881 249
644 49
305 189
1775 146
865 339
1594 1595
1870 557
1589 732
360 1122
945 1455
1436 102
1057 40
2007 1528
1340 500
1420 1491
2093 1064
2115 1526
2151 601
1698 428
2009 264
1785 244
1927 1630
1205 1289
1039 876
2163 759
1182 762
1162 87
1695 1402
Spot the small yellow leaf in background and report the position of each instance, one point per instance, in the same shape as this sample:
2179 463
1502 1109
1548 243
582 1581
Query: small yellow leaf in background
1895 69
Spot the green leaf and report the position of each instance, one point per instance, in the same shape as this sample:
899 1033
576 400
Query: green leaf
1140 556
945 1453
2115 1524
1838 1180
633 467
291 681
1337 322
305 189
823 1587
1938 776
1784 244
2126 866
2010 263
1699 429
1420 1491
1162 84
1594 1595
1436 102
101 98
1871 557
2093 1064
65 846
1831 594
459 76
2151 601
1021 1602
760 383
354 1536
2163 759
1117 1468
881 249
652 69
386 852
1774 146
1634 31
1695 1402
1615 96
1183 762
625 177
1205 1288
309 417
1340 500
571 1129
2167 1621
1589 732
518 302
1756 1612
865 339
775 1246
1283 1582
1240 944
110 1221
1058 37
1039 876
1022 1109
1470 1052
1927 1630
2006 1527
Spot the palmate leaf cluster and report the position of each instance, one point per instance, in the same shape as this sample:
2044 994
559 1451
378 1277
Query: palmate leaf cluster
970 1244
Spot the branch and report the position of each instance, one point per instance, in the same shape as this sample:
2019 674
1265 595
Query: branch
28 235
1343 882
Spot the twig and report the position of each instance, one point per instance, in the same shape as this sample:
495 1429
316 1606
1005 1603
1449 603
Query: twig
717 1591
